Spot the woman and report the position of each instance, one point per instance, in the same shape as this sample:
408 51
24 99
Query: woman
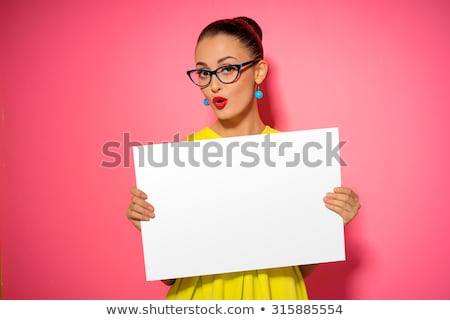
230 67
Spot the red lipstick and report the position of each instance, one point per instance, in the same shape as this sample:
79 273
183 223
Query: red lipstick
219 102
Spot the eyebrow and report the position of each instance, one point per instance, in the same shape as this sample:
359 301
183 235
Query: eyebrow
202 64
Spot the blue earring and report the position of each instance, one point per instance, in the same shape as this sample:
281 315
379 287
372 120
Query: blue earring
205 102
258 93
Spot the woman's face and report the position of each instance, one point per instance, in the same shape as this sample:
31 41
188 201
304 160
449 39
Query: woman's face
234 99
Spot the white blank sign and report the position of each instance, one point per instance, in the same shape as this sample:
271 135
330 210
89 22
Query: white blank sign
240 203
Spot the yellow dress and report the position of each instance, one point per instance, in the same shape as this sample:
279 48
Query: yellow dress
268 284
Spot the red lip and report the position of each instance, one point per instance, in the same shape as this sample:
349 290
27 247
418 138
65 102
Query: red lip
220 102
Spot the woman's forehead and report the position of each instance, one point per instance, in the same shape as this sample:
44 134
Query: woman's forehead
212 49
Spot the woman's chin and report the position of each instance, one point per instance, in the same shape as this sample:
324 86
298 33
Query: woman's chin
223 114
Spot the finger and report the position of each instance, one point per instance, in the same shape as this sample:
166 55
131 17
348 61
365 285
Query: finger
353 195
339 196
351 202
146 211
138 193
347 191
141 202
138 216
340 204
345 215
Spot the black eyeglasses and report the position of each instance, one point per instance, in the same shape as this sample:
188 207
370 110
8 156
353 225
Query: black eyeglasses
225 74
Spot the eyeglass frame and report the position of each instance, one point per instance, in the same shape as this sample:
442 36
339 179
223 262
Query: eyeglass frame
214 72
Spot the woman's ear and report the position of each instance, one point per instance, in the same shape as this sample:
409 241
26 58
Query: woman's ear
261 70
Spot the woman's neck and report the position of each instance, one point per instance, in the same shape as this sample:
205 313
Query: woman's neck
239 127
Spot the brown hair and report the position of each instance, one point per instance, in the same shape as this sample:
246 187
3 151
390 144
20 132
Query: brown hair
244 29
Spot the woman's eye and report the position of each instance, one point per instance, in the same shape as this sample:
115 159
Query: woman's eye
203 73
228 69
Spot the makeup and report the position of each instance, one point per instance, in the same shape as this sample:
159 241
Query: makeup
219 102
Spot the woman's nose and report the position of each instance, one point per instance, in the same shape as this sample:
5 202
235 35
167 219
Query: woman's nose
215 84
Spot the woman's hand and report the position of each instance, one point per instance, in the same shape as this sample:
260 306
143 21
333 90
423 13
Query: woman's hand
343 201
139 209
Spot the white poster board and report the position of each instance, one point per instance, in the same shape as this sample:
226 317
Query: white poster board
240 203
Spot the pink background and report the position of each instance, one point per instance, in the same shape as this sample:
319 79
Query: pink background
77 74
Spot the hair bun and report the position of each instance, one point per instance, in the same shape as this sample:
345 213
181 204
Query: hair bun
245 29
253 24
